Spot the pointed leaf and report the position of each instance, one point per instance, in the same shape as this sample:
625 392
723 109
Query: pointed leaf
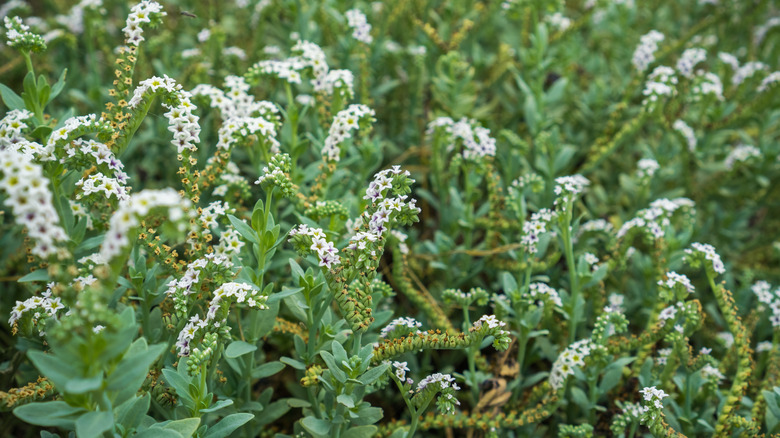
227 425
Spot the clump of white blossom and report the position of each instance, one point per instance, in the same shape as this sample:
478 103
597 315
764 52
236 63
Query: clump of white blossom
344 123
699 251
181 120
409 325
570 359
39 307
127 217
741 153
475 139
325 250
143 12
646 168
654 219
538 224
687 133
30 200
763 291
689 59
644 55
747 71
361 30
224 295
660 83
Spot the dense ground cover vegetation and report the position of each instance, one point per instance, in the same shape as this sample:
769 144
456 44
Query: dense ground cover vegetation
402 218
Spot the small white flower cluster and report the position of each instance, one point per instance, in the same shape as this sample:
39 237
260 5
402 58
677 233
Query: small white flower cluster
229 242
764 346
770 80
663 356
337 80
708 251
401 369
344 123
741 153
231 175
242 127
660 83
567 188
326 251
183 286
646 168
761 31
571 358
181 121
36 305
74 21
559 21
11 127
477 142
127 216
407 322
403 247
654 395
89 122
668 313
235 51
361 30
534 228
31 202
689 59
384 207
656 218
687 132
644 54
634 410
762 289
490 321
729 59
747 71
710 372
595 225
99 183
141 13
707 83
540 292
673 279
17 33
240 292
236 101
444 384
209 215
95 153
615 303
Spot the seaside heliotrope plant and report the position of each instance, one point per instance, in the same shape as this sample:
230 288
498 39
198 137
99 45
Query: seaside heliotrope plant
390 219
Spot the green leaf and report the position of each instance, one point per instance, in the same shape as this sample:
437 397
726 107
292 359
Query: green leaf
771 403
367 415
217 406
298 365
360 432
11 99
244 229
371 375
130 413
579 397
158 433
185 427
50 414
129 375
346 400
239 348
37 275
267 369
93 424
330 361
298 403
283 294
339 352
227 425
315 426
179 384
58 86
83 385
53 368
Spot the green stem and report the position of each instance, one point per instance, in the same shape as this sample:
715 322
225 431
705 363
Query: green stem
575 310
472 350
